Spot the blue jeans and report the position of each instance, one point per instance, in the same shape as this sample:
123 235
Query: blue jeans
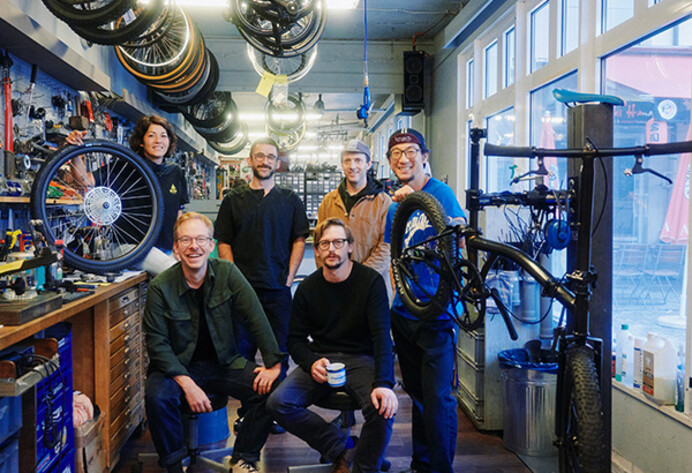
288 406
426 358
164 398
277 306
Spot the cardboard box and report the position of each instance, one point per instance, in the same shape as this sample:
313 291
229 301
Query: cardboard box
89 447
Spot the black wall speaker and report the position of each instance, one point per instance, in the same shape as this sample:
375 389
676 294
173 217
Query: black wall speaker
415 79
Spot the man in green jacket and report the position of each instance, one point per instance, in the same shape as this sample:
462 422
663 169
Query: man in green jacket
188 323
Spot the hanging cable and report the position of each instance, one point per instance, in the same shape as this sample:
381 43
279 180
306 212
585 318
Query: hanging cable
364 110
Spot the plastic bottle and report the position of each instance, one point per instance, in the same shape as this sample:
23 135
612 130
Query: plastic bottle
637 362
680 382
626 350
56 268
659 359
620 342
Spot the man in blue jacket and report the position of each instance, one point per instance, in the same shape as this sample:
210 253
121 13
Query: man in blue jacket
188 323
425 348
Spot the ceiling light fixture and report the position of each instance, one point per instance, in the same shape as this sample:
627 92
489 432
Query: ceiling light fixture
342 4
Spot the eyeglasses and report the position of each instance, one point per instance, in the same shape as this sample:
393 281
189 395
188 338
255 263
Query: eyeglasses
325 244
187 241
409 152
262 156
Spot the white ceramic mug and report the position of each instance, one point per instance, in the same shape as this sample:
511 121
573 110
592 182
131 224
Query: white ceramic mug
336 374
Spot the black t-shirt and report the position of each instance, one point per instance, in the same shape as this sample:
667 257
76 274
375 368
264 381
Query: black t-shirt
204 351
174 190
351 316
261 230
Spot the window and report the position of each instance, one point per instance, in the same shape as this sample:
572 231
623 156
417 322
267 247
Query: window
569 23
490 71
540 37
509 58
615 12
499 170
649 223
469 84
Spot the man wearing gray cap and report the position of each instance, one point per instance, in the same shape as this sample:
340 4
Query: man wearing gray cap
362 203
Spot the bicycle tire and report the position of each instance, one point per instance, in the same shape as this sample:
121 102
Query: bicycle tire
407 274
96 17
235 145
582 446
106 227
128 32
213 113
468 304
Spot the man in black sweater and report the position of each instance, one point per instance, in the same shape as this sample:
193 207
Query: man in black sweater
343 308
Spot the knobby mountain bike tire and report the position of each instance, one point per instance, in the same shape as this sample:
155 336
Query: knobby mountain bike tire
419 272
105 227
582 436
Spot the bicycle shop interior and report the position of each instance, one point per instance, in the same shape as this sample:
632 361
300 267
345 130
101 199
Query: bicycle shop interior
443 67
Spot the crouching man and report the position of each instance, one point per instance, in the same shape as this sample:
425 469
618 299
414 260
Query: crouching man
343 308
188 323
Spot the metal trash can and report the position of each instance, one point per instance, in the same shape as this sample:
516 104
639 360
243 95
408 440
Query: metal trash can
529 388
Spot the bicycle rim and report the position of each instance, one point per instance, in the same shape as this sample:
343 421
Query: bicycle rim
468 299
105 227
582 446
420 270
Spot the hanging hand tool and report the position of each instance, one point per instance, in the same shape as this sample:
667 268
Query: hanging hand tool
5 65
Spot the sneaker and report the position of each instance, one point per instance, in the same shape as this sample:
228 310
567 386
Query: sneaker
277 429
236 425
244 466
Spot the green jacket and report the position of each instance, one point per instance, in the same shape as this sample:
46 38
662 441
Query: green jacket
171 319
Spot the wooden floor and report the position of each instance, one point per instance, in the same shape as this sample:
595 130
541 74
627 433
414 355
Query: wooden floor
476 452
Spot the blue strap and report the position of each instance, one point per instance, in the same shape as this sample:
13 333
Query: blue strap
569 96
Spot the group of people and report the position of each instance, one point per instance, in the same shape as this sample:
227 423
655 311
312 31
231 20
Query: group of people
205 318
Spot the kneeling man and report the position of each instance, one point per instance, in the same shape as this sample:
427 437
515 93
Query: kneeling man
343 308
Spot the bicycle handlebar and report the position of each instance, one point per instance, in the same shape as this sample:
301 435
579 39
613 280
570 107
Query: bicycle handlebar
533 152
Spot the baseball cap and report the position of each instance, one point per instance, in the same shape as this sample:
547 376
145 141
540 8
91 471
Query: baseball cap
407 135
356 146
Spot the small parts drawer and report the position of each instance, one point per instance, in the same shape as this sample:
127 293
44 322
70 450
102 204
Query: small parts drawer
127 397
129 324
123 299
125 337
124 312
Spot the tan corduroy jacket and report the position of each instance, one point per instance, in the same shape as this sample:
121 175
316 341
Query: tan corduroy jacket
367 221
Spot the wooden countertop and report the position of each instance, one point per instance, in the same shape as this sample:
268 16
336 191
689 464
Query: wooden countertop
9 335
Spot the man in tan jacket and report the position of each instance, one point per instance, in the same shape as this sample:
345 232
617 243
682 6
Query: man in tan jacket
362 202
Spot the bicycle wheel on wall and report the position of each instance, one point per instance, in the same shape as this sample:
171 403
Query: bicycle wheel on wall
107 222
582 427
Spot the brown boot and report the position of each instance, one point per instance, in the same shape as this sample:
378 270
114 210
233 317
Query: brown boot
341 464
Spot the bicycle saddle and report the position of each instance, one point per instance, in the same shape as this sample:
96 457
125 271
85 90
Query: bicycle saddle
570 96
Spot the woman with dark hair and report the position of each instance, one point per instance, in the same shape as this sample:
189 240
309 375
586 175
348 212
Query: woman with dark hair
153 139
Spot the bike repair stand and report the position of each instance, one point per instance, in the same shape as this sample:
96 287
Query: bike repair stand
593 122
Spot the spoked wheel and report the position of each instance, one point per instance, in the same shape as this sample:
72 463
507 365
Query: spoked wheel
419 257
108 220
469 296
582 430
294 68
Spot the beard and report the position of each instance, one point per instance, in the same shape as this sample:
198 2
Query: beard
256 173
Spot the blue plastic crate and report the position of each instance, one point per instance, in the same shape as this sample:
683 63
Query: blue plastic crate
9 457
10 416
62 332
47 459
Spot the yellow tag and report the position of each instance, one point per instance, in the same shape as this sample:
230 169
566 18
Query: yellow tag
266 83
173 190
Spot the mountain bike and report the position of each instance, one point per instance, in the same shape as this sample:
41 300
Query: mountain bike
443 269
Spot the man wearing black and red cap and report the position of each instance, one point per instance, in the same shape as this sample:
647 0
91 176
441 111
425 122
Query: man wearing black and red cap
425 348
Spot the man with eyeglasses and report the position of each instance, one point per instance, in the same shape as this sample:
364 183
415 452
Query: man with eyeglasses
362 203
340 314
425 349
262 229
189 331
